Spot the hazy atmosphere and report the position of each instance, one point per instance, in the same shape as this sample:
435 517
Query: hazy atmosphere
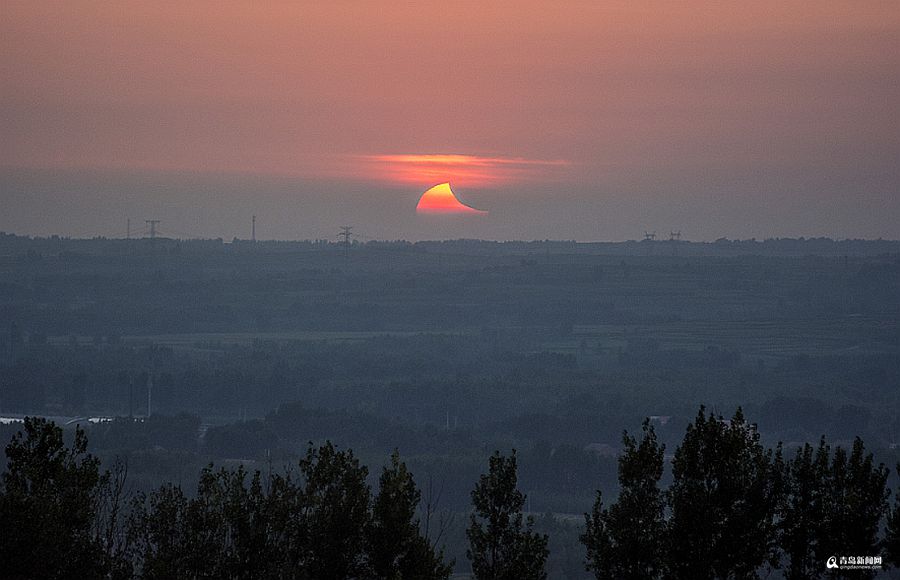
352 290
764 120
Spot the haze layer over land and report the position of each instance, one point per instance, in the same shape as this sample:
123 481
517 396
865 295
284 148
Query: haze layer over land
765 119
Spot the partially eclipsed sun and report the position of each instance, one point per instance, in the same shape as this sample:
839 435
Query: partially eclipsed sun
440 199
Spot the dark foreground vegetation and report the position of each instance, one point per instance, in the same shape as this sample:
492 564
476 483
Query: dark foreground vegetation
734 509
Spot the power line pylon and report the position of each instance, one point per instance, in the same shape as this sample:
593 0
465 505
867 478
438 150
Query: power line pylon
347 234
675 238
649 237
152 224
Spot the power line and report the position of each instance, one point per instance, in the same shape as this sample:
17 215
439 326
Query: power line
176 234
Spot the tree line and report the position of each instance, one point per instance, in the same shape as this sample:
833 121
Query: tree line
63 518
733 509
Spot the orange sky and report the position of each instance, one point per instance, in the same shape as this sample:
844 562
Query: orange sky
610 100
464 170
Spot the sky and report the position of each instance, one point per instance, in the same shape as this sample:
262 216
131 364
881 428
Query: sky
594 120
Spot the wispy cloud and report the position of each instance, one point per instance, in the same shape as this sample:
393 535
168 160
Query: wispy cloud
466 170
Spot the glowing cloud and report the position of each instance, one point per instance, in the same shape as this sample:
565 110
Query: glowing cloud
465 170
440 199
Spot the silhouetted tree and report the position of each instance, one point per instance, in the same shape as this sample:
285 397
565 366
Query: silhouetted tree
396 547
501 547
226 501
220 533
47 506
723 501
855 501
234 530
335 513
110 521
627 540
892 531
598 541
169 538
833 505
803 512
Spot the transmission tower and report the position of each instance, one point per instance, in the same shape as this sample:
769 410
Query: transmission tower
674 238
649 237
152 224
347 234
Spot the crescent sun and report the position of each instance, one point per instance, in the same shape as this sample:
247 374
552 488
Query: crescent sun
440 199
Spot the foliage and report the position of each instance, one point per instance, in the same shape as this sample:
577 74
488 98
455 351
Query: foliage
733 510
803 512
627 540
322 525
335 512
501 547
892 532
855 500
723 500
48 504
833 506
396 547
598 541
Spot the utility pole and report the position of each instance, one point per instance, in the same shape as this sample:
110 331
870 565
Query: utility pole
152 224
149 393
130 397
253 229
